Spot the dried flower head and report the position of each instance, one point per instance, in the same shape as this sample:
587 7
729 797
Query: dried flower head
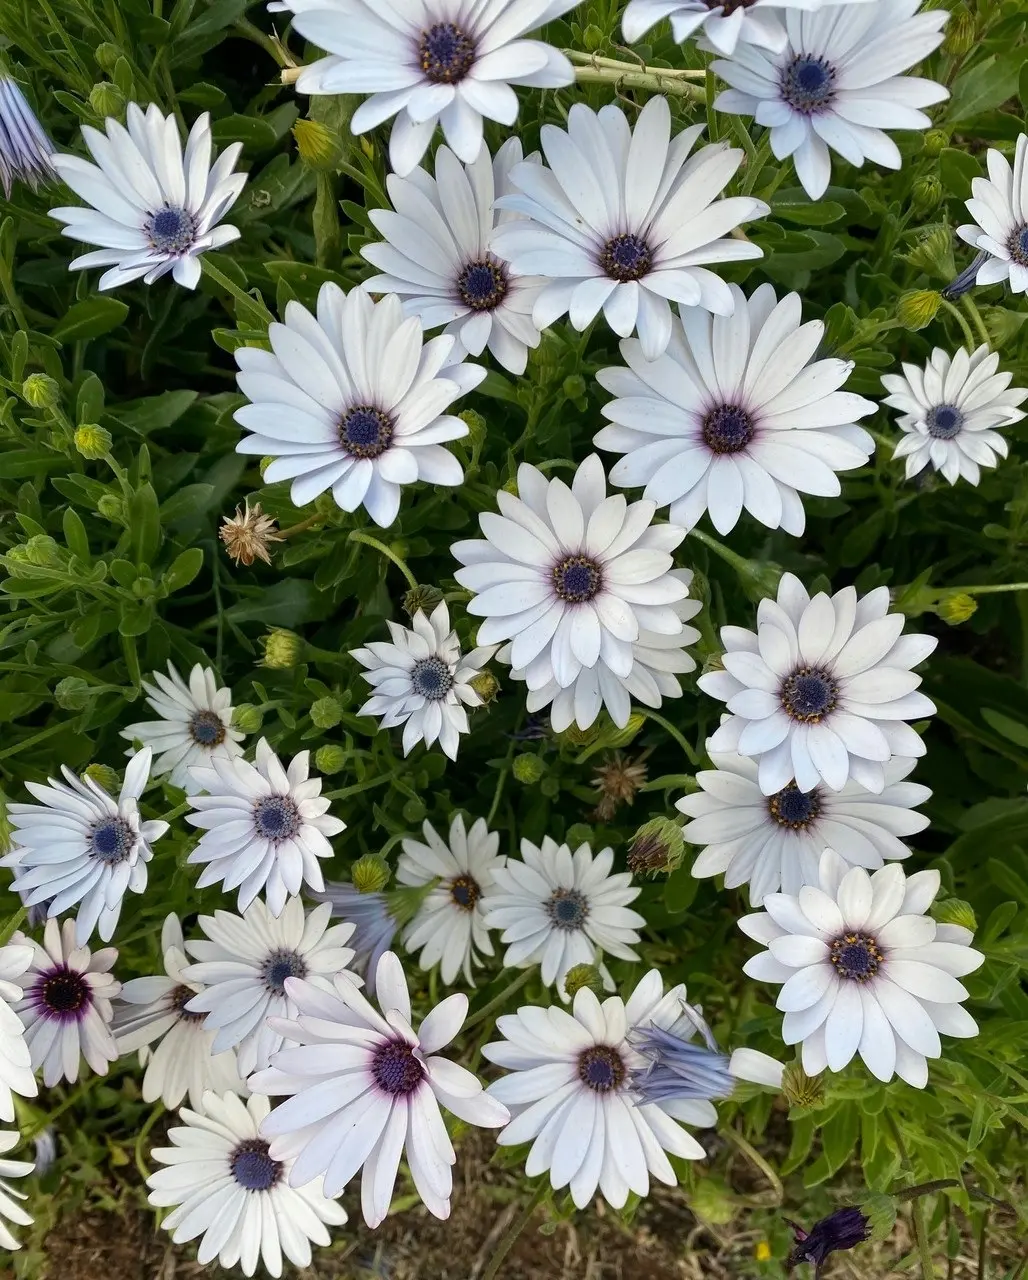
248 534
617 780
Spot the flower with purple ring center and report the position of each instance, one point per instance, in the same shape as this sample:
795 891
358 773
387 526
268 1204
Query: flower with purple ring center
567 908
626 258
280 965
727 428
276 818
807 84
396 1069
577 579
944 421
171 230
482 286
252 1166
1017 245
794 808
366 431
111 840
446 53
808 695
63 994
465 892
432 678
206 729
856 956
601 1068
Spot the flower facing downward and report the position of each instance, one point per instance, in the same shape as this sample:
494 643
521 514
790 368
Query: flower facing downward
737 413
821 692
225 1187
949 412
843 1229
363 1087
248 534
370 915
10 1210
999 207
154 210
864 969
15 1059
722 23
25 150
353 400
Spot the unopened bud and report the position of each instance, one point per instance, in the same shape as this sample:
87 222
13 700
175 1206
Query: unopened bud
528 769
104 776
326 713
41 391
657 846
421 597
370 874
955 911
712 1202
92 441
926 193
574 386
933 254
476 425
247 718
935 142
957 608
106 99
107 56
42 551
111 508
318 146
486 685
576 737
801 1090
583 975
282 649
72 693
330 759
961 31
918 308
1003 326
713 662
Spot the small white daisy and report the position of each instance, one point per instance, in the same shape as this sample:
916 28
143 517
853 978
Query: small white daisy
773 843
736 413
557 909
449 928
363 1088
422 680
154 1008
15 1059
195 723
265 826
82 847
10 1210
430 62
822 690
66 1004
999 206
571 576
152 209
225 1186
949 412
25 149
242 966
353 401
837 84
864 969
722 23
625 221
437 255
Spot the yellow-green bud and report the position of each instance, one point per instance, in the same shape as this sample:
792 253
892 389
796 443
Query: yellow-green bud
330 759
583 975
486 685
576 737
593 37
528 769
72 693
421 597
926 193
5 829
326 713
961 31
41 550
107 56
111 507
263 465
801 1090
955 911
918 308
41 391
370 874
574 386
657 846
318 146
106 99
880 1212
92 441
935 142
104 776
712 1202
247 718
282 649
957 608
933 253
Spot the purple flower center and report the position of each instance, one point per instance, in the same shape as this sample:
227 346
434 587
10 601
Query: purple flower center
206 729
944 421
807 84
482 286
465 892
365 432
432 678
1017 245
252 1166
63 994
446 53
728 6
627 257
395 1068
601 1068
727 429
276 817
794 808
568 909
111 840
856 956
809 694
178 998
171 230
577 579
280 965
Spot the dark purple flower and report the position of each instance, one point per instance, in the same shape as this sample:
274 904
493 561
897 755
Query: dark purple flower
843 1229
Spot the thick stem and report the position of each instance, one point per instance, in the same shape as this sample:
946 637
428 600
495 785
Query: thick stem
594 60
310 523
958 315
652 80
358 535
967 302
668 727
499 1001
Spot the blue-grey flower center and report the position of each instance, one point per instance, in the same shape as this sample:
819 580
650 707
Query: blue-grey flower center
276 817
432 678
727 429
111 840
568 909
944 421
482 286
365 432
206 729
1017 245
252 1166
64 994
857 956
627 257
395 1068
171 230
809 694
794 808
280 965
577 579
446 53
601 1068
178 998
807 84
465 892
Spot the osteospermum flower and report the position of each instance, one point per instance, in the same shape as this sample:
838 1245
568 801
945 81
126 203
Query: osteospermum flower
821 691
570 576
153 209
736 413
82 847
437 255
999 207
154 1009
864 969
66 1004
374 924
449 928
224 1186
353 401
422 680
242 965
363 1088
195 724
949 412
10 1210
25 149
624 220
837 84
265 826
772 843
557 909
15 1059
429 62
722 23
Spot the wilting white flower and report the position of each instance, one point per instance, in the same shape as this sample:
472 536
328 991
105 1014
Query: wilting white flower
25 150
949 412
153 209
736 413
10 1210
999 206
821 692
864 969
15 1059
722 23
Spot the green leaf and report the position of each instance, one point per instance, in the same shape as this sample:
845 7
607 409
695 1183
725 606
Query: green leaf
123 572
145 524
680 890
89 403
1004 877
183 569
136 617
216 16
155 412
207 96
808 213
988 84
957 169
253 132
90 319
191 500
75 534
1011 729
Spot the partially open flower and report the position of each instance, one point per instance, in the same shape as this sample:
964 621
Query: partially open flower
248 534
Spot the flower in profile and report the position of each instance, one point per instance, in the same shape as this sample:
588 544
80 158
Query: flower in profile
363 1087
10 1210
153 209
353 401
656 847
66 1004
999 207
950 411
437 255
837 84
194 725
822 691
429 63
618 779
625 221
737 413
25 149
371 917
80 846
864 969
221 1184
722 23
420 679
15 1059
843 1229
248 534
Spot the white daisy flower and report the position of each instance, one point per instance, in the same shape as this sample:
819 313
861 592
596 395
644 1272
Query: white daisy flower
153 209
736 413
15 1059
722 23
66 1004
864 969
242 966
557 909
625 221
999 206
353 401
265 826
429 62
154 1008
10 1210
837 84
225 1187
449 928
571 576
772 843
949 412
195 724
422 680
822 690
362 1088
437 255
82 847
25 149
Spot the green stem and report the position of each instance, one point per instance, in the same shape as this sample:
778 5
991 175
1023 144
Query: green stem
739 563
511 1234
41 736
983 1257
33 1131
992 588
13 923
594 60
958 315
924 1189
310 523
917 1210
155 1115
271 46
11 294
240 295
652 80
499 1001
968 304
668 727
758 1161
358 535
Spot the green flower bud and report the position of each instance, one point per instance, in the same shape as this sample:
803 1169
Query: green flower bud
957 608
955 911
711 1201
528 769
370 874
111 508
42 551
801 1090
326 713
282 649
933 254
318 146
247 718
41 391
961 31
106 99
656 847
107 56
935 142
583 975
593 37
918 308
486 685
330 759
414 811
926 193
92 441
1003 326
880 1212
421 597
574 386
476 425
104 776
72 693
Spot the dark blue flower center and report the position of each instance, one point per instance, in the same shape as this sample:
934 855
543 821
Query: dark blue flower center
178 998
627 257
567 908
577 579
808 84
1017 245
206 729
280 965
446 53
365 432
809 694
465 892
171 230
601 1068
794 808
727 429
276 817
482 286
856 956
432 678
944 421
65 994
111 840
252 1166
395 1068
